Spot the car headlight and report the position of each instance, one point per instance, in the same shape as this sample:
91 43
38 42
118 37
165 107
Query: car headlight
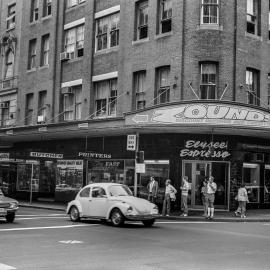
129 209
155 207
13 205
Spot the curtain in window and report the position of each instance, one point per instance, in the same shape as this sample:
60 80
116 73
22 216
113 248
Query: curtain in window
70 40
164 77
143 14
78 102
80 36
68 107
140 82
102 29
9 64
208 73
166 9
250 7
46 49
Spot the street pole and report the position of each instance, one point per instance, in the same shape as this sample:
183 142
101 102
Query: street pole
136 175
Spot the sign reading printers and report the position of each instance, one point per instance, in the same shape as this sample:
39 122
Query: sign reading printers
205 149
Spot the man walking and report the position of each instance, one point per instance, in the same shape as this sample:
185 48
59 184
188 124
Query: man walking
211 189
152 189
184 196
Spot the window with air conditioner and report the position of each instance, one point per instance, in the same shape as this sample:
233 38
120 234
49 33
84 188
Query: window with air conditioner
252 86
9 64
210 12
253 17
165 17
141 9
139 78
45 50
107 32
163 84
29 109
106 98
42 109
47 8
34 11
11 16
74 42
208 81
32 54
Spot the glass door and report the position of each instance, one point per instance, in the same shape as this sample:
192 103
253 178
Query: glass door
267 184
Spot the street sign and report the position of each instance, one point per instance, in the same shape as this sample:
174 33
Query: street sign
131 142
140 168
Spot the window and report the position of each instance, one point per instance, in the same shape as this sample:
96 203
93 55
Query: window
11 16
85 192
163 84
73 104
32 54
140 87
141 20
47 7
5 113
165 16
45 50
210 12
208 84
9 64
253 16
42 106
98 192
106 98
29 109
74 41
73 3
253 89
107 32
34 11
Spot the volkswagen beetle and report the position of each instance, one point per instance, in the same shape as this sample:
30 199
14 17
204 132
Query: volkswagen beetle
111 202
8 207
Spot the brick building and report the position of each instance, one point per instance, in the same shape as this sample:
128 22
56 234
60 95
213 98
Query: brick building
189 78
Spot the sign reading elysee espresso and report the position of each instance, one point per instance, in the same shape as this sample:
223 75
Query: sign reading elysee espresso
205 149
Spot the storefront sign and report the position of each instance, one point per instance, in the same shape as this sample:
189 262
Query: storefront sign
94 155
131 142
76 164
45 155
205 149
140 168
4 156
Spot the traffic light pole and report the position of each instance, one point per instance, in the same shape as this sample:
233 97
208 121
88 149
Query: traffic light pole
136 175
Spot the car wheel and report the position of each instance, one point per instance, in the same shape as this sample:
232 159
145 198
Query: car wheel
117 218
10 217
149 222
74 214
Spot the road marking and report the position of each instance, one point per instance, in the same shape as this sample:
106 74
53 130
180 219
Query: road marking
71 242
6 267
189 222
44 215
26 218
44 228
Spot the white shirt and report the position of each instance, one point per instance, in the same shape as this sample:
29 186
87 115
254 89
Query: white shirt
211 188
151 185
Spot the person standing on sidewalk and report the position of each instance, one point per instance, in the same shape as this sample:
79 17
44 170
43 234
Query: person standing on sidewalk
211 188
184 196
152 188
170 192
203 194
242 198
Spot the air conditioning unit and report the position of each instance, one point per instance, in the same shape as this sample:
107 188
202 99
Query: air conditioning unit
4 105
64 56
41 119
66 90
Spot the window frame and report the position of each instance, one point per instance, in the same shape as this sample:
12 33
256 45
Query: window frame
253 81
32 54
253 18
8 64
140 35
45 50
47 8
163 91
5 114
29 109
34 10
76 3
210 16
11 17
162 21
42 109
139 79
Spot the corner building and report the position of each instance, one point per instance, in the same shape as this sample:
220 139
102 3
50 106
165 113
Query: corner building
189 78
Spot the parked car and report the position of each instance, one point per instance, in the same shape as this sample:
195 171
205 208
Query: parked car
111 202
8 207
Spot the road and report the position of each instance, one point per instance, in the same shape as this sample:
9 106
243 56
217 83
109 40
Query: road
45 239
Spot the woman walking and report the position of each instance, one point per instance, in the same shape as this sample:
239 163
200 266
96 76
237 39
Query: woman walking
170 192
242 198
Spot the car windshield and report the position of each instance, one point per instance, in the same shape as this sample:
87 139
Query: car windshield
118 190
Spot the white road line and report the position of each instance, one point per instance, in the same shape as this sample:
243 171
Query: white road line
6 267
188 222
45 228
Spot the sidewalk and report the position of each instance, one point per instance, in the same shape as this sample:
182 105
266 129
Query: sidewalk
253 215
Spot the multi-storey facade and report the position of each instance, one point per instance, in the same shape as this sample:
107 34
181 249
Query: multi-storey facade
189 78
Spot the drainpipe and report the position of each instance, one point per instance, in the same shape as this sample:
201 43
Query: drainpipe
183 51
234 51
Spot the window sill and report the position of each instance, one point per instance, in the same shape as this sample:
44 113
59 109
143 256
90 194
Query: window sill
31 70
69 9
77 59
163 35
216 27
105 51
43 67
33 23
253 36
10 29
47 17
140 41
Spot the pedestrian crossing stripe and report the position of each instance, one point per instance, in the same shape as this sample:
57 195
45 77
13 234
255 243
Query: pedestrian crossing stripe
70 242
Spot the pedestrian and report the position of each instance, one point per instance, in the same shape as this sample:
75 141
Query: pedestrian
184 196
242 198
211 188
203 194
152 188
170 192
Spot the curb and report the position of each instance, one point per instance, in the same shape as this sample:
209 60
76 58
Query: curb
42 207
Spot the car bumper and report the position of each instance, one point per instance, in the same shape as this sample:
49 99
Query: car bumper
141 217
5 211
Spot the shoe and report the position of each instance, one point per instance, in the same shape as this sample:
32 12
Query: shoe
211 218
236 214
207 217
185 215
167 215
243 216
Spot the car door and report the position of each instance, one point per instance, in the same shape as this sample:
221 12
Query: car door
85 201
99 202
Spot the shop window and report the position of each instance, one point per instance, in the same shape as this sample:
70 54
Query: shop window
47 8
107 32
165 17
253 17
252 84
267 184
73 3
251 178
74 42
208 84
9 64
141 24
210 12
45 50
29 109
72 102
42 110
163 84
106 98
32 54
34 11
11 16
139 89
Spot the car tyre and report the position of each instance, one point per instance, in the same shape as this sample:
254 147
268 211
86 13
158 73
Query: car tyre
10 217
117 218
74 214
149 222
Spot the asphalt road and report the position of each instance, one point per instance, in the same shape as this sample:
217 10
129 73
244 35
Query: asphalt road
44 239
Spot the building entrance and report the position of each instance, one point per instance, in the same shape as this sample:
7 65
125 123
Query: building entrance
197 171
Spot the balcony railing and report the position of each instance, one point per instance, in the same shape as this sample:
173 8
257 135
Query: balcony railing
9 83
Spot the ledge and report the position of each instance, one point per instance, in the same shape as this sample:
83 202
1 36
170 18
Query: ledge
256 37
163 35
106 51
215 27
140 41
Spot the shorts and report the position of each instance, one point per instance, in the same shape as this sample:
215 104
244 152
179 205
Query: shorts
209 199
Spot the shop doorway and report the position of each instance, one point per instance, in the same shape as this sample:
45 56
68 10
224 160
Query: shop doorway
197 171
